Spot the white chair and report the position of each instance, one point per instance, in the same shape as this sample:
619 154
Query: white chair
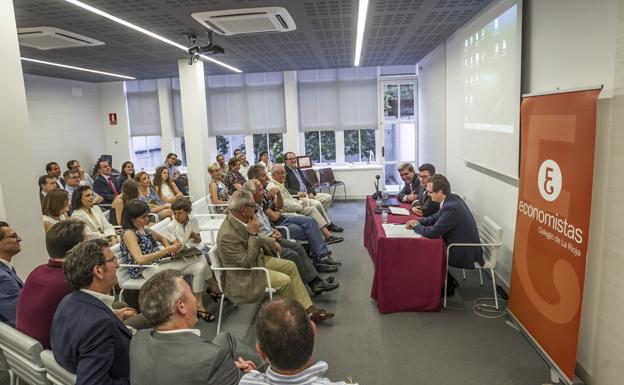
124 280
210 223
491 236
218 272
23 356
56 373
211 206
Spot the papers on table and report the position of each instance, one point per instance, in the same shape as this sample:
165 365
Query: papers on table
396 230
398 211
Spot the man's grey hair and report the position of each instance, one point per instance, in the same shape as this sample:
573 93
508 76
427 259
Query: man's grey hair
159 295
81 260
408 166
239 200
276 168
256 171
250 185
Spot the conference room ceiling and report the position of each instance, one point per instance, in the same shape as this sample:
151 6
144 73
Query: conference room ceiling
398 32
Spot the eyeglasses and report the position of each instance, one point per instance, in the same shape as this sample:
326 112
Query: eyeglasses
109 260
423 176
14 236
290 158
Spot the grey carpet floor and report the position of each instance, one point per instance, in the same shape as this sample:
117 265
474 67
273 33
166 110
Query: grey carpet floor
452 347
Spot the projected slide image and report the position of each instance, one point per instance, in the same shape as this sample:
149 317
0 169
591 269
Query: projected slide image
489 65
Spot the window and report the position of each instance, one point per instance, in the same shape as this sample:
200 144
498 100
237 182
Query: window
226 144
321 146
359 145
147 153
273 143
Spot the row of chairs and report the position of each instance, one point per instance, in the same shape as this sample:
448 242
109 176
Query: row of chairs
327 180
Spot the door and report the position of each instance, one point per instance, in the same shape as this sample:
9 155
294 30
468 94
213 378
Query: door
398 129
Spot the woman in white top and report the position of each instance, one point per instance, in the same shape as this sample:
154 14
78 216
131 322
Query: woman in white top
55 208
265 161
96 225
166 189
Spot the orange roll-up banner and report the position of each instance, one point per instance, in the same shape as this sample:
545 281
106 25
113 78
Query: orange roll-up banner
558 133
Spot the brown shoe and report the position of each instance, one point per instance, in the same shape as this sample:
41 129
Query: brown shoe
318 315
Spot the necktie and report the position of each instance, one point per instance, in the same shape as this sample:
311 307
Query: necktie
112 186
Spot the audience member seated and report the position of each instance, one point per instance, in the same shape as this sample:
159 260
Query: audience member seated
46 184
54 171
148 195
244 164
237 152
104 184
423 205
298 206
127 172
297 184
409 192
234 180
87 337
166 189
217 189
301 228
72 182
10 283
129 191
222 164
139 246
291 251
240 245
174 174
85 178
285 338
263 159
96 224
454 223
55 208
174 352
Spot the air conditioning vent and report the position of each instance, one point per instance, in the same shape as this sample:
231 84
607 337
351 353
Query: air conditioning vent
247 20
46 38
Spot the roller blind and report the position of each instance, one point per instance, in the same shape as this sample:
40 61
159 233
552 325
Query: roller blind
143 111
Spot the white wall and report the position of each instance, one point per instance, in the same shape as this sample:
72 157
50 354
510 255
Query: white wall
65 120
117 137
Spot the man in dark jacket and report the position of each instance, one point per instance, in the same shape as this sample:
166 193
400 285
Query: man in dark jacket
423 205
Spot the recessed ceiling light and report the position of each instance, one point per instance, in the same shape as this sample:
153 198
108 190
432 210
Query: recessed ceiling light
77 68
361 24
146 32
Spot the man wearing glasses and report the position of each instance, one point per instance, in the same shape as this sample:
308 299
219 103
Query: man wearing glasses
423 205
10 283
72 182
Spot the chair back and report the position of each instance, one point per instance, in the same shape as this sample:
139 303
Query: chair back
215 266
491 232
201 202
23 355
310 175
158 227
56 373
327 176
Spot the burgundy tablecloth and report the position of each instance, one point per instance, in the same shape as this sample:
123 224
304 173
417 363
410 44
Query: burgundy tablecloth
409 272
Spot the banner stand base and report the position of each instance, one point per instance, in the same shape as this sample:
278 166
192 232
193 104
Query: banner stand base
554 376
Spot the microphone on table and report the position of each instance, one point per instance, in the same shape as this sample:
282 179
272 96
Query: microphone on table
377 193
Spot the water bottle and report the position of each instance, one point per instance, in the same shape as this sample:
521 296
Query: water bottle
379 202
384 216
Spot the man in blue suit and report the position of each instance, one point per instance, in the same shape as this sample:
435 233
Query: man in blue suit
453 222
87 337
10 283
104 184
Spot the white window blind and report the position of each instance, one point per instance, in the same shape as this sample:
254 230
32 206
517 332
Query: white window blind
265 102
176 103
334 100
143 111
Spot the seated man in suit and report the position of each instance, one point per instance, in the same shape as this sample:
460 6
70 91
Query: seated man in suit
301 228
454 223
174 352
10 283
46 184
285 337
291 251
104 184
240 245
423 205
54 172
87 337
409 192
297 184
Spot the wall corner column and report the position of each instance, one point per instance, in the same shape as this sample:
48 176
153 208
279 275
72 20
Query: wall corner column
291 108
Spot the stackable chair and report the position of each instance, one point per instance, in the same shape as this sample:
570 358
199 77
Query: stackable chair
219 270
491 237
56 373
310 176
23 357
327 178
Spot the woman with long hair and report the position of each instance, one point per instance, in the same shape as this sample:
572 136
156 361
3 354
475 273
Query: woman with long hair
166 189
55 208
96 224
148 195
140 246
129 190
127 172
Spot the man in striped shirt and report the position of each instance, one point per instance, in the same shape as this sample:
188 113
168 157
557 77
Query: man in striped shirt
285 338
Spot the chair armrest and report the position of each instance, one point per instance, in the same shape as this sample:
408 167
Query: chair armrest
266 271
150 266
448 248
153 216
210 215
286 230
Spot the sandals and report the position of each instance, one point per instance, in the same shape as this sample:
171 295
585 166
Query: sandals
215 295
206 316
318 315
